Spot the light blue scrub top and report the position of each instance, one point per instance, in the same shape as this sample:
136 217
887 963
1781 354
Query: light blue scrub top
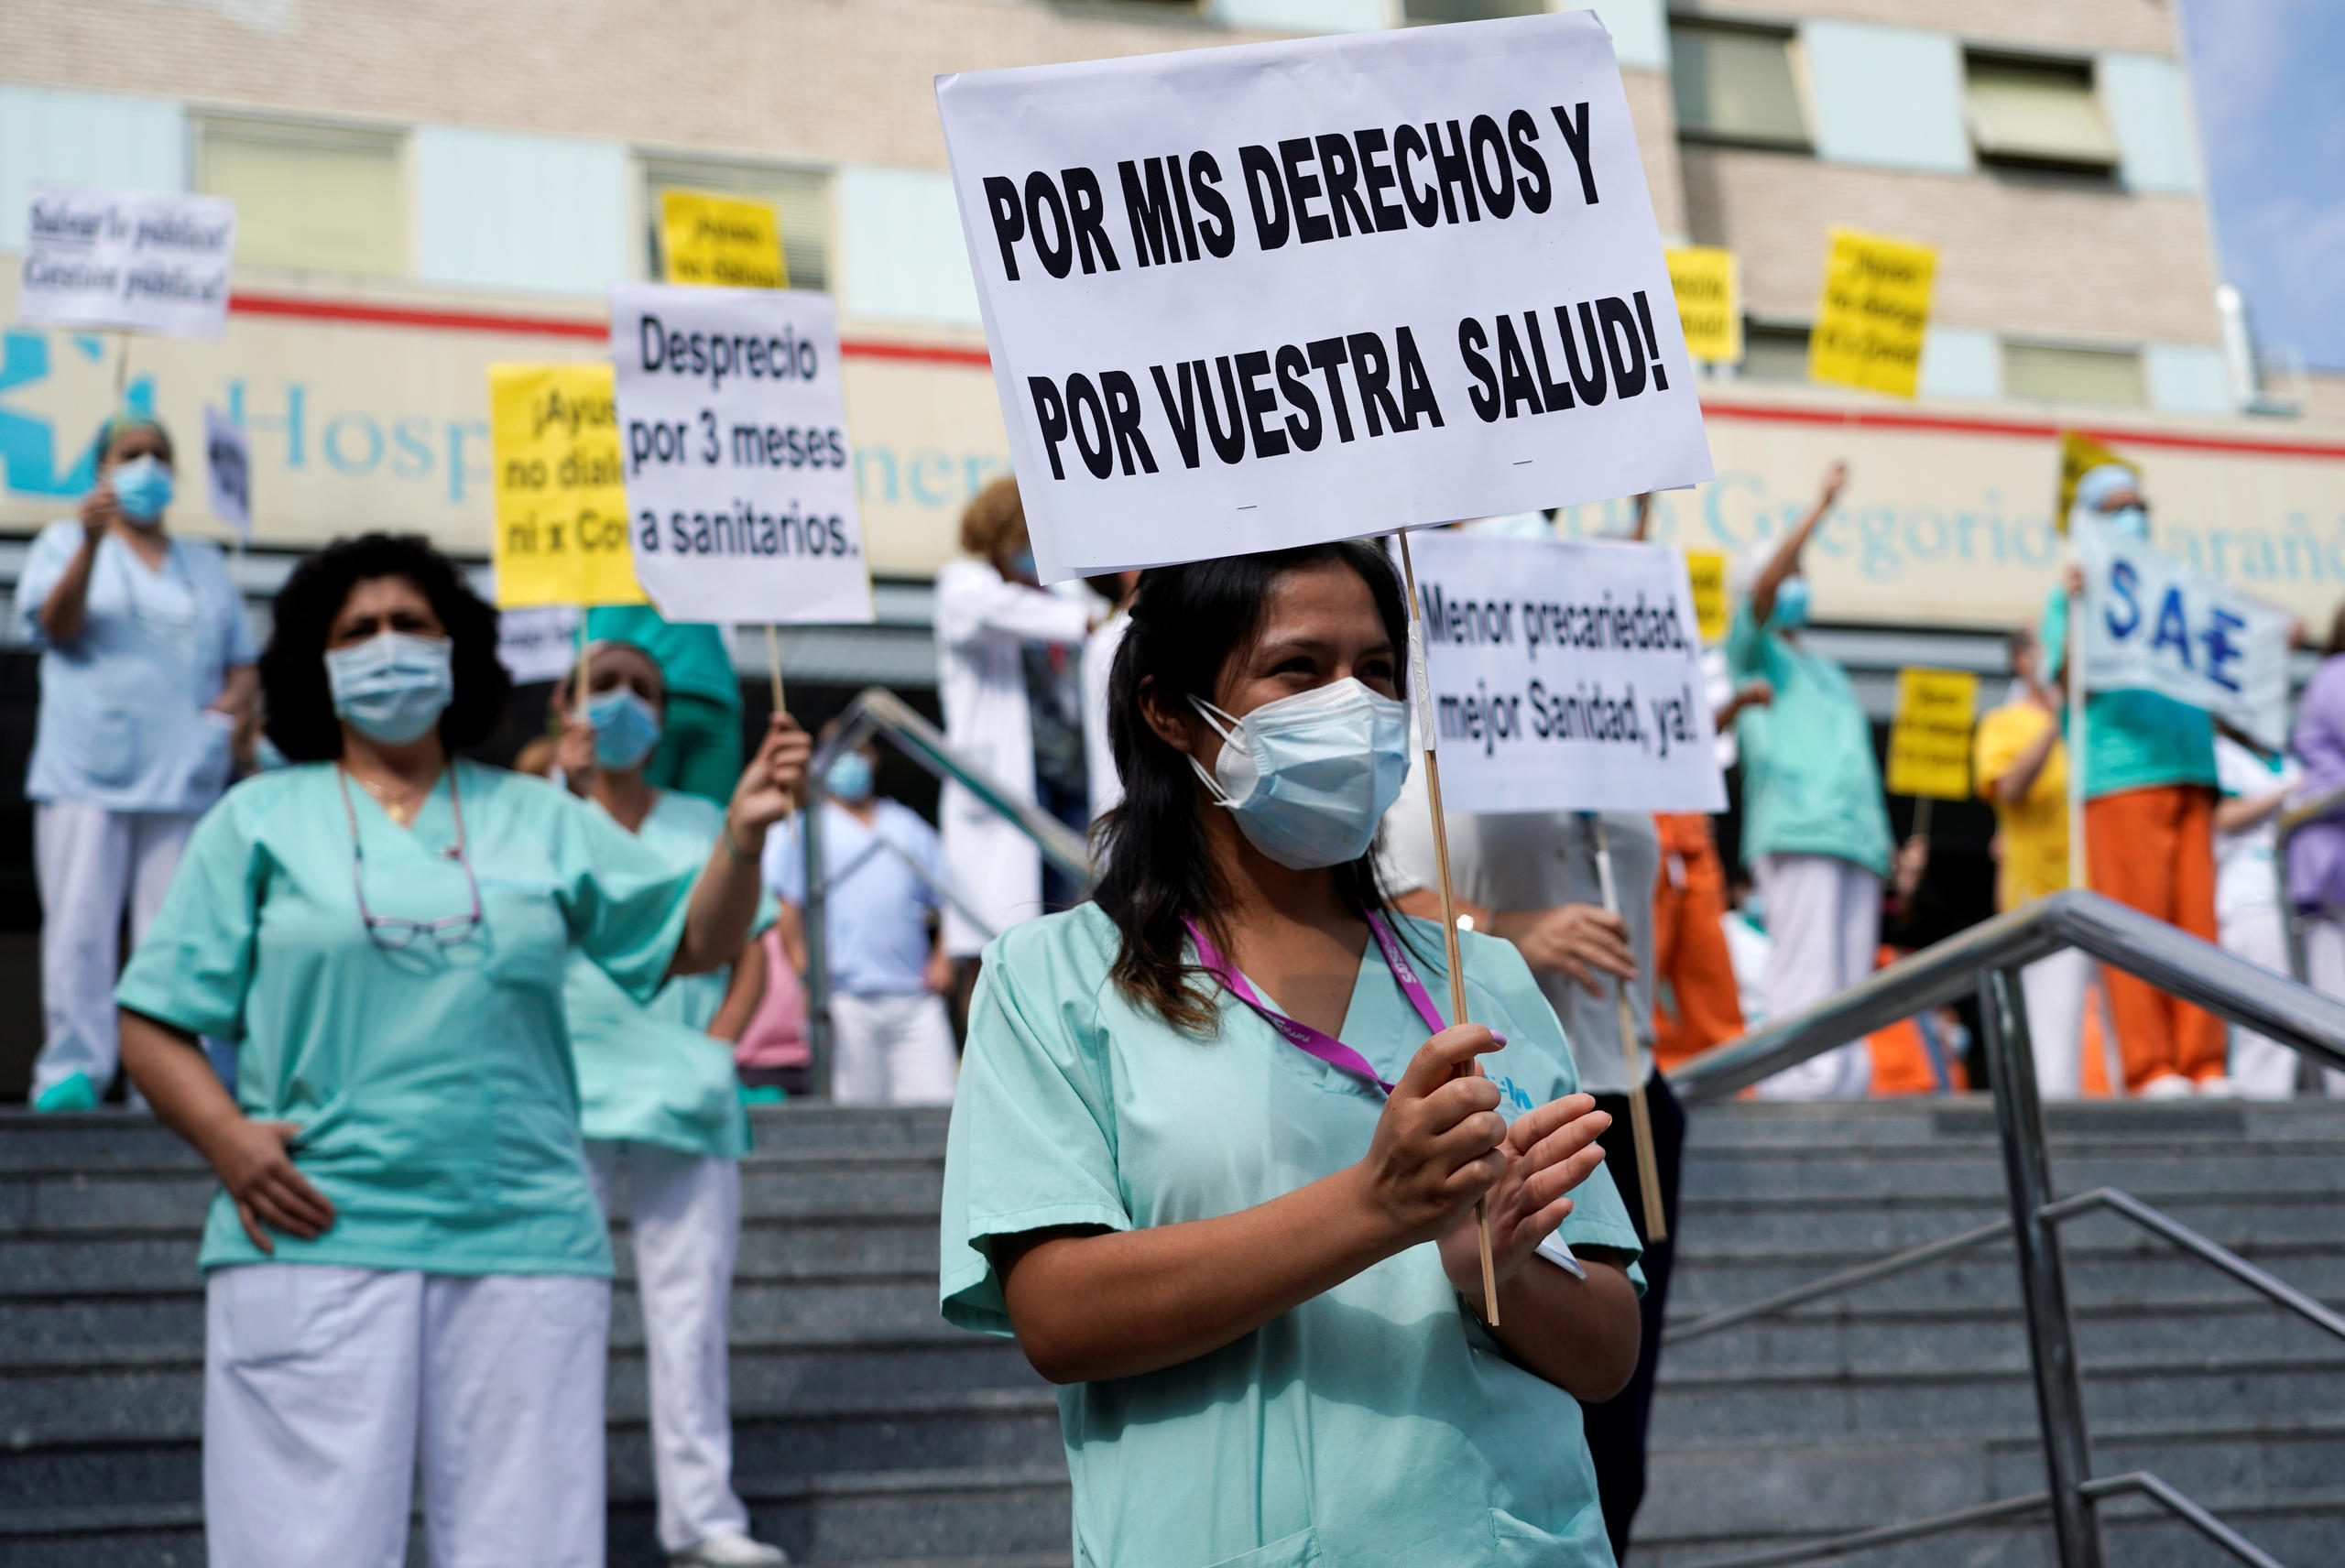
1375 1424
1810 782
650 1071
434 1086
2133 740
875 906
122 707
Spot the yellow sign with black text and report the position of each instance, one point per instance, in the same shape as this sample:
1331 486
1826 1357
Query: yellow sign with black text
1929 738
1708 287
560 502
1707 570
1875 312
720 240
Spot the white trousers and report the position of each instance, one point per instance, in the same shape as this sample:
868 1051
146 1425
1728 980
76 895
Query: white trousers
325 1385
88 861
1824 929
2263 1067
2325 969
685 1214
892 1050
2053 989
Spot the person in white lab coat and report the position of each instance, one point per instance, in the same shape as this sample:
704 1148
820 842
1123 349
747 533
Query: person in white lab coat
1098 661
987 607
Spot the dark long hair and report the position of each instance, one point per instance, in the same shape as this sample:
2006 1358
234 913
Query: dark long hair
1188 622
293 669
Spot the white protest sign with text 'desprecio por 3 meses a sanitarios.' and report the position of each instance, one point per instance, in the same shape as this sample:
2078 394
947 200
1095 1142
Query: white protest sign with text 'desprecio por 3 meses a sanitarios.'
2151 623
145 261
1564 675
740 478
1269 295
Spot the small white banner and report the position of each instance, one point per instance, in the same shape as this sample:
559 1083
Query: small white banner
145 261
1564 675
537 642
1250 297
740 480
2154 624
228 472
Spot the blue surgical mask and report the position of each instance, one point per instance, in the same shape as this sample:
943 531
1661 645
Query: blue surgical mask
2132 522
1309 776
142 488
625 728
392 687
1791 606
850 776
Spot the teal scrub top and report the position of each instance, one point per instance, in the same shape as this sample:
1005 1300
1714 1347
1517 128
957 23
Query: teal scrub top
432 1085
2133 740
1810 782
650 1071
693 658
124 721
1375 1424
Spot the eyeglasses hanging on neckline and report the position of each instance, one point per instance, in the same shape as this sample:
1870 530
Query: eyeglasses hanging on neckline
395 933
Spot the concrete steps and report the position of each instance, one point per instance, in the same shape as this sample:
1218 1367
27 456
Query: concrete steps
868 1433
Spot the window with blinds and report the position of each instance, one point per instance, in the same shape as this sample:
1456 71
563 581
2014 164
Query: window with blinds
1735 84
800 200
1417 12
311 198
2039 373
1772 353
2037 114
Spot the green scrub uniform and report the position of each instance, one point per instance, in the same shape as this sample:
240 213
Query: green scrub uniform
650 1071
2133 740
1375 1424
1810 782
432 1085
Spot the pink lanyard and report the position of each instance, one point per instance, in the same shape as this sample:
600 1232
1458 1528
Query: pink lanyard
1323 1046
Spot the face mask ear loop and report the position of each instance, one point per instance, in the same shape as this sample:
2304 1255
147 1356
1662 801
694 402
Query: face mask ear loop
1214 717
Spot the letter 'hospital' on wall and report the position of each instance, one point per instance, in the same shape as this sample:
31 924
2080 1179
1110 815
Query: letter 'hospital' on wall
1297 318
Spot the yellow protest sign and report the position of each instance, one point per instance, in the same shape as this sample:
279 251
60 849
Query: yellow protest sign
1706 568
720 240
1708 287
1929 739
561 501
2080 455
1875 308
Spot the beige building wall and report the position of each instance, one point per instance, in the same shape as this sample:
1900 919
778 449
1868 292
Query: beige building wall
831 80
2030 258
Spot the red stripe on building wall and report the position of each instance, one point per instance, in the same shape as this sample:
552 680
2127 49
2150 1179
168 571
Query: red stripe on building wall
2028 429
412 318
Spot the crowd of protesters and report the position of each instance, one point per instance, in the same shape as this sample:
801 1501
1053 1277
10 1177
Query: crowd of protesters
422 1015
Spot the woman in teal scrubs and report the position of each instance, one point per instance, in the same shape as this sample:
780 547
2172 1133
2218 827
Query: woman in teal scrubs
407 1265
1208 1167
658 1096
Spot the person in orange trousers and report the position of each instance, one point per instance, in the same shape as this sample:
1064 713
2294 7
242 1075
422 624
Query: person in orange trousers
1689 952
2149 787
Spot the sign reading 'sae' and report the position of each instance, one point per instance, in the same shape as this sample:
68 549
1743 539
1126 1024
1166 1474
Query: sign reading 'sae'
741 480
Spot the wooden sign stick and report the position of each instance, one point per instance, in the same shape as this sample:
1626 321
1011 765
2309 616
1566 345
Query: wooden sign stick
773 663
1448 901
1639 1114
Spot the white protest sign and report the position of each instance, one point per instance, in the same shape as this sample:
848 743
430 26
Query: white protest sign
1564 675
2151 623
1249 298
740 483
148 261
538 642
228 472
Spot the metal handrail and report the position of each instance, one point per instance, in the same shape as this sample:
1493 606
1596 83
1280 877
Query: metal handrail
1987 960
2164 956
878 711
